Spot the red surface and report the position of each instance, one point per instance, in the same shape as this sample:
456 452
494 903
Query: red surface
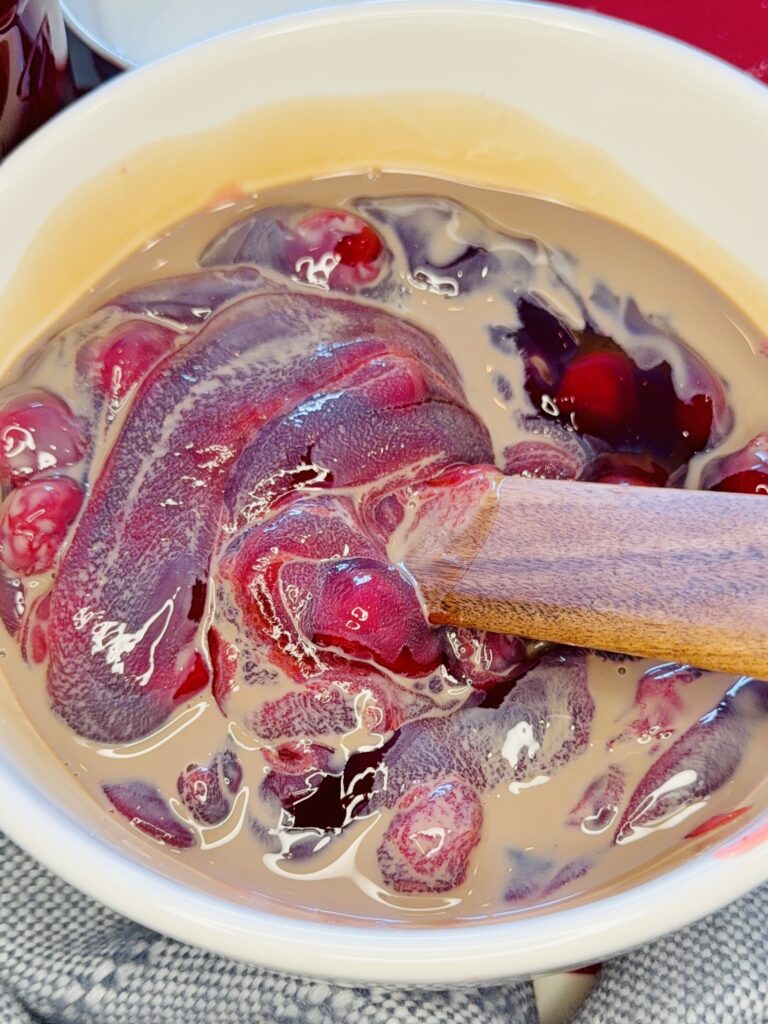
735 30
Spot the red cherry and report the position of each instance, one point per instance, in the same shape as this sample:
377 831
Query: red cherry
34 521
363 247
744 471
337 249
747 481
368 610
634 470
480 658
38 432
694 420
123 357
597 394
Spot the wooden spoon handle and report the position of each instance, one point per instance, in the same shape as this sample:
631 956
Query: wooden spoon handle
663 573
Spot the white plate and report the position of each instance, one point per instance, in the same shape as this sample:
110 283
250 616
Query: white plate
131 33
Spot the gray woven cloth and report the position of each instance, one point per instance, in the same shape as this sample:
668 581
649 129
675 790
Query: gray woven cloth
67 960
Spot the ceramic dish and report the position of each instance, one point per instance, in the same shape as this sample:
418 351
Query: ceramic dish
131 33
535 98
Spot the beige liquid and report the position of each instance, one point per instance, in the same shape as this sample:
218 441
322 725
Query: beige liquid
343 879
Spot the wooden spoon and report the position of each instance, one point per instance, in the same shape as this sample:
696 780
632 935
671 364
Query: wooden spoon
663 573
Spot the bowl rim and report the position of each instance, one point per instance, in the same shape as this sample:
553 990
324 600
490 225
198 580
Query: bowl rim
489 951
92 39
98 43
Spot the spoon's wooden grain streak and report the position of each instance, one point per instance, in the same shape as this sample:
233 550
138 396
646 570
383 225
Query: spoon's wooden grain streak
663 573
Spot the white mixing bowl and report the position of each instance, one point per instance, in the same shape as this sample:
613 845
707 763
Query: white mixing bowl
690 132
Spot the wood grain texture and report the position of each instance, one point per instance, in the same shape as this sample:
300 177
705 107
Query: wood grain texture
674 574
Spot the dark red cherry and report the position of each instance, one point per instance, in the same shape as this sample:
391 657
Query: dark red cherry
363 247
338 249
546 343
748 481
480 658
34 521
694 420
744 471
618 468
38 433
597 394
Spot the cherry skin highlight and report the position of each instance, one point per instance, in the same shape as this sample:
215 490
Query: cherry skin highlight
34 522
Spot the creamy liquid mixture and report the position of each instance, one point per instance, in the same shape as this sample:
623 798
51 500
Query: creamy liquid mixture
553 808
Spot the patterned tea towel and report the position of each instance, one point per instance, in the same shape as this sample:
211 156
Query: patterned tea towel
64 959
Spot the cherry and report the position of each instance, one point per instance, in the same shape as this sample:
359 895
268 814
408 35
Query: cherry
200 790
428 843
746 481
122 358
34 521
38 432
635 470
368 610
597 393
546 344
536 876
570 872
336 249
744 471
482 659
364 247
694 419
314 710
346 697
703 759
